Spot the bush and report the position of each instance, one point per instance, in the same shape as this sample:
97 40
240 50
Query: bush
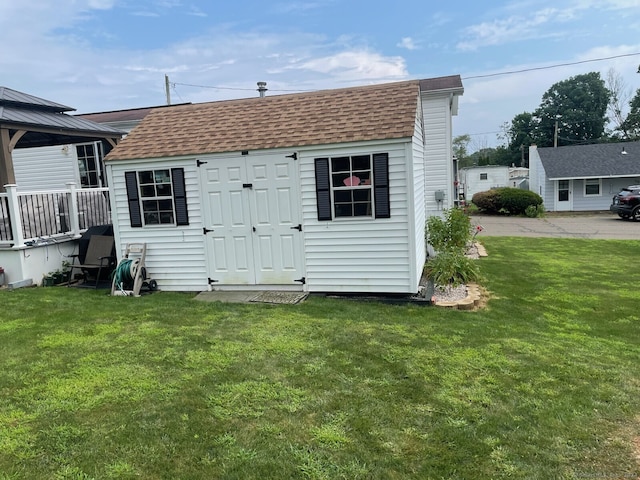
451 233
511 201
486 201
449 236
452 268
535 212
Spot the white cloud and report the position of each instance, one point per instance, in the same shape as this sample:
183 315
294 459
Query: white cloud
356 65
101 4
513 28
408 43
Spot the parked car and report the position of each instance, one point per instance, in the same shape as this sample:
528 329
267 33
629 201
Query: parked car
627 203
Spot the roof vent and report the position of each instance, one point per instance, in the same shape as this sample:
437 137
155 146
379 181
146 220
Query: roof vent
623 152
262 88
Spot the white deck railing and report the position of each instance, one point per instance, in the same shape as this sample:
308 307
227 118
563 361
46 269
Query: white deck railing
29 218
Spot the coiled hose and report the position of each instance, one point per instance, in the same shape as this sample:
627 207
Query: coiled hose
124 273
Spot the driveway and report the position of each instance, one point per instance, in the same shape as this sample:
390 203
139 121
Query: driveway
603 225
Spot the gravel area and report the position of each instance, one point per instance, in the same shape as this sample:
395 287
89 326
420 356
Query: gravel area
449 294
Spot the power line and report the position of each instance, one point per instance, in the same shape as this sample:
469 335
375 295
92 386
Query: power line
510 72
236 88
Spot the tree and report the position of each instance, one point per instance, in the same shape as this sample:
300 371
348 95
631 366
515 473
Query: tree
519 135
631 124
618 101
461 150
578 105
460 146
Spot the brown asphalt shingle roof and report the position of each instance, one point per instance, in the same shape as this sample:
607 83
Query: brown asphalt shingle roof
376 112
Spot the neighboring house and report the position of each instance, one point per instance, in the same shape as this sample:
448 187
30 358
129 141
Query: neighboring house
583 177
323 192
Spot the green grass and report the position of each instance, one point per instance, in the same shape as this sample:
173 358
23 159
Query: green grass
544 383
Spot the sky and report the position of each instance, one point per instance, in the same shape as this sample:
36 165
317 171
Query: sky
104 55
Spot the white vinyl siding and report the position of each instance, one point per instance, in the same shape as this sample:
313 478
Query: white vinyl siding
481 179
360 255
175 254
419 196
45 168
438 154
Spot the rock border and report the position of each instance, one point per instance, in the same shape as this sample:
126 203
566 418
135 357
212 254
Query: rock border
472 301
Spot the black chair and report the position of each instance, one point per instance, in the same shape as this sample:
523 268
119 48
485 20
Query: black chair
98 261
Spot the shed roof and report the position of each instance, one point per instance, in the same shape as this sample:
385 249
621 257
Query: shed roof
451 82
591 161
115 116
375 112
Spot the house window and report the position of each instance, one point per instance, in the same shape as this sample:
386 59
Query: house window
353 186
591 187
483 176
90 164
157 197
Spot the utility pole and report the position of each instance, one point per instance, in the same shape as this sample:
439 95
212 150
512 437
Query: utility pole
166 88
555 136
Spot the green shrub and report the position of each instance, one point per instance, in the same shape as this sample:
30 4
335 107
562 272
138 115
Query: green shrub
486 201
450 233
510 201
535 211
450 236
516 200
452 268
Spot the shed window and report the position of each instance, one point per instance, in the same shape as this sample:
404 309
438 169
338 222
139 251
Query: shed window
483 176
353 186
157 197
592 187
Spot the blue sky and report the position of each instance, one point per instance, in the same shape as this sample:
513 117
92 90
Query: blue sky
101 55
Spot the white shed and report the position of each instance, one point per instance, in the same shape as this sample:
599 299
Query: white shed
320 192
482 178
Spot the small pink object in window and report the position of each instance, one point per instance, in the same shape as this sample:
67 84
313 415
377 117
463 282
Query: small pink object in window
352 181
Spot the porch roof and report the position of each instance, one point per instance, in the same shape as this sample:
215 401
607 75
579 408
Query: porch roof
46 123
28 121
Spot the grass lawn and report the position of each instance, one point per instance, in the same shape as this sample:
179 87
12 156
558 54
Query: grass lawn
544 383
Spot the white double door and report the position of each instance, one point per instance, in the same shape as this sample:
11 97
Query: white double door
252 220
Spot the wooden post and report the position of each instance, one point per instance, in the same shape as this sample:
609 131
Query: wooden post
7 175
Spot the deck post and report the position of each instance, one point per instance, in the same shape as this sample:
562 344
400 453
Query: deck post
14 214
74 213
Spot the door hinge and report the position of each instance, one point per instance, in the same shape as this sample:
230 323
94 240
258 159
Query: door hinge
247 185
206 230
294 155
199 162
211 280
297 227
301 280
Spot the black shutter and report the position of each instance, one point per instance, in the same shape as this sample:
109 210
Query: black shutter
131 181
381 184
323 189
180 196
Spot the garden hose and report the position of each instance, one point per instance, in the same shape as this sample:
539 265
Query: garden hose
125 272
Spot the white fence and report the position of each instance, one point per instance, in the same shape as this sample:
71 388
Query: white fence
38 217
